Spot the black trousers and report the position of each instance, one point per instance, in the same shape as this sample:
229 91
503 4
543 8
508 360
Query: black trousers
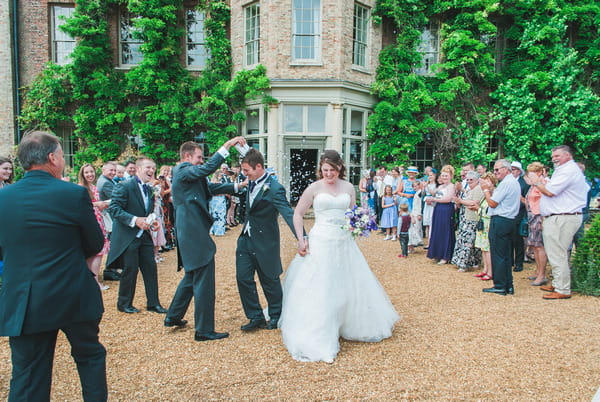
501 234
246 265
138 256
199 284
518 243
33 357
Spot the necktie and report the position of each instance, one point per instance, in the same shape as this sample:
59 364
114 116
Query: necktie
147 191
251 185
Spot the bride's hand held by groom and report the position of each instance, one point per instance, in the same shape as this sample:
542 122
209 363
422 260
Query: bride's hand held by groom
303 246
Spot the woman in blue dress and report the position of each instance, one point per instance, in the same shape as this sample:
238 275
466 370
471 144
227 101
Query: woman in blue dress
406 187
441 242
218 209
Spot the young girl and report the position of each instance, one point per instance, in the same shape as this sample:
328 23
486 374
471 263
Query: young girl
403 227
415 233
389 216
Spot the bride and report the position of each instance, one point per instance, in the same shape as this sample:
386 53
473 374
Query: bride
329 290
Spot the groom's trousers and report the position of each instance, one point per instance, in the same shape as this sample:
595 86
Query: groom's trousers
246 264
199 284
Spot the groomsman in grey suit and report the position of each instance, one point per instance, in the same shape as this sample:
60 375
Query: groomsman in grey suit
106 185
258 245
132 203
191 192
48 229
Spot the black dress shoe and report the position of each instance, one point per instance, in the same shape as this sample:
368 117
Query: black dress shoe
510 290
498 291
210 336
273 323
517 269
254 324
128 310
175 322
157 309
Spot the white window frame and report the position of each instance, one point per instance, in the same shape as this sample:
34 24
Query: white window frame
305 119
59 38
429 48
316 22
200 17
252 34
360 36
125 15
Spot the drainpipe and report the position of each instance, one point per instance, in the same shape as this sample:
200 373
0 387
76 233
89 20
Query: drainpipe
16 76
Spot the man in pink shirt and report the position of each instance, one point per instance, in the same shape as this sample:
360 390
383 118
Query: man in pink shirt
561 205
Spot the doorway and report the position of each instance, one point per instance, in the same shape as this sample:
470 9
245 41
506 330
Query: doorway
303 167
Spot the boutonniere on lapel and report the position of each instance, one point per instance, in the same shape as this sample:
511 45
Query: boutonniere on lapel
266 186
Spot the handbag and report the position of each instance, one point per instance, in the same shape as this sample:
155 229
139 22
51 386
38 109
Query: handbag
524 227
480 225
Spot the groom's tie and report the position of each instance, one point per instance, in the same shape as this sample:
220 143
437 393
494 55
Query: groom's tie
251 186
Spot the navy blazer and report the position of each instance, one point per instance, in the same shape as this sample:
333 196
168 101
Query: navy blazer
48 229
126 202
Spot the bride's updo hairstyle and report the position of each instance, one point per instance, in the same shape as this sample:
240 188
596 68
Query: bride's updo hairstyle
334 159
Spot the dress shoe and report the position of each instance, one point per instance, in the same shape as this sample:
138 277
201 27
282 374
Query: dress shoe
175 322
510 290
518 269
555 296
128 310
273 323
254 324
210 336
157 309
540 283
548 288
498 291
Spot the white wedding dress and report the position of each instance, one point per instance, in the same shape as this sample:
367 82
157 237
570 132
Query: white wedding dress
331 292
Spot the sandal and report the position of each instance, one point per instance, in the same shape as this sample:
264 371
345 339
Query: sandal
479 275
486 277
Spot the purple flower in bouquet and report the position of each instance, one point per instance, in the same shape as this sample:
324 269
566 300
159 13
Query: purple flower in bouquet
360 221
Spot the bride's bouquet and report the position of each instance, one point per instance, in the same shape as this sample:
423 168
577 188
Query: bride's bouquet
360 221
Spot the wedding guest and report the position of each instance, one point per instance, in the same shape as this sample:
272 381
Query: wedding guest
520 236
389 217
561 205
429 191
535 239
403 228
158 234
49 287
481 169
106 184
6 171
466 255
406 187
130 170
482 240
415 232
120 176
365 187
164 180
131 205
191 194
503 209
218 207
441 242
86 178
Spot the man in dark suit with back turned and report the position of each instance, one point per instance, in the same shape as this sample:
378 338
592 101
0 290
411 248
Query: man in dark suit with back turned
48 230
258 245
191 193
131 204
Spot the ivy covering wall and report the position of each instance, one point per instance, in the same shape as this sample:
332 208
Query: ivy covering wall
158 100
523 72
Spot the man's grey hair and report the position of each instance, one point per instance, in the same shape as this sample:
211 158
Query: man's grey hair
472 174
35 148
564 148
504 163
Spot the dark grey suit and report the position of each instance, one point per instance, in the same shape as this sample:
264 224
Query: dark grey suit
191 193
48 230
258 251
105 187
138 252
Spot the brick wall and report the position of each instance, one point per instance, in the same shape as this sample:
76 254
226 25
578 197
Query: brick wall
275 41
7 118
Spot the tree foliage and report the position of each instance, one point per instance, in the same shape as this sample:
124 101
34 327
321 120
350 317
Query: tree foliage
158 100
524 73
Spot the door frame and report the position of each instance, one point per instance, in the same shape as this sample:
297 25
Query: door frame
317 143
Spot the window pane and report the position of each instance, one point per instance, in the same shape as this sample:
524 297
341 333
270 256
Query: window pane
355 152
356 124
130 46
197 53
252 34
252 121
316 119
306 28
361 15
293 119
62 43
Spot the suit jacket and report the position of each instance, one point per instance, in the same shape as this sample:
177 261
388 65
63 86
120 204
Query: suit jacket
105 188
126 202
48 230
191 193
262 215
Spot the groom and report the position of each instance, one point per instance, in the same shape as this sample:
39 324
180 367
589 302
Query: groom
258 245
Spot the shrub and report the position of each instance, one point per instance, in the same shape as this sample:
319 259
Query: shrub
586 262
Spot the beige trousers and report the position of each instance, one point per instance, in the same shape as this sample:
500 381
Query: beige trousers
558 235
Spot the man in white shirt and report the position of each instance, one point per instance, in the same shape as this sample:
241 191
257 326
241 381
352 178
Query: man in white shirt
561 205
